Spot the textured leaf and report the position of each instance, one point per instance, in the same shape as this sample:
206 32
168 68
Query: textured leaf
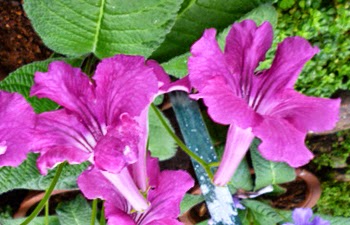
268 172
195 16
189 201
261 213
160 143
75 212
21 81
103 27
53 220
27 176
241 179
178 65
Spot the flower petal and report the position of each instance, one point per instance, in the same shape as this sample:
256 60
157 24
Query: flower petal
165 222
70 88
60 136
119 147
319 221
291 55
302 216
209 74
119 218
16 128
307 113
246 46
282 142
237 144
166 197
125 84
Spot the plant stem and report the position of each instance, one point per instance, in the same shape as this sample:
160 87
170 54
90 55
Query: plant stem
181 144
94 211
47 212
102 217
47 195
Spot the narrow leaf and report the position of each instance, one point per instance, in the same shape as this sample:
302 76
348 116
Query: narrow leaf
160 143
268 172
103 27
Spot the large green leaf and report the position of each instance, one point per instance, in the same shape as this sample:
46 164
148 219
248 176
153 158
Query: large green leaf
261 213
268 172
195 16
27 176
178 65
75 212
160 143
103 27
21 81
241 179
53 220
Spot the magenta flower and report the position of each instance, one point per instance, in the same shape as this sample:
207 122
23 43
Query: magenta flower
98 121
16 125
164 194
263 103
302 216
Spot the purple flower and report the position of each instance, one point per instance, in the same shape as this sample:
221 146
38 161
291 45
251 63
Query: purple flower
263 103
164 194
16 128
302 216
99 118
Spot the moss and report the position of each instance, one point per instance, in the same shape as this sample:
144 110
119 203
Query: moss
325 24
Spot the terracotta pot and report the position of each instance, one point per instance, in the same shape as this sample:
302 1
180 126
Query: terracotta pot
313 192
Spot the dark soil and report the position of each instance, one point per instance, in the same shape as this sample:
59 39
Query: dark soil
20 45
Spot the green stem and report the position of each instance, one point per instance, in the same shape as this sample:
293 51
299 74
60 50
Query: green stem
94 211
213 164
47 213
181 144
102 217
46 197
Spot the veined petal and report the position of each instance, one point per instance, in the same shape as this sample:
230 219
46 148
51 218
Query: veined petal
125 84
60 136
119 147
306 113
282 142
16 128
246 46
166 197
70 88
220 90
291 55
165 222
237 144
119 217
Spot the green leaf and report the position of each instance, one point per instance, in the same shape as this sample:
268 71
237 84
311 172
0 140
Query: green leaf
160 143
103 27
242 178
268 172
53 220
194 17
27 176
21 81
261 213
189 201
178 66
75 212
335 220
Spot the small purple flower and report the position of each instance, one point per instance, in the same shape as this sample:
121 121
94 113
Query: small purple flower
164 194
99 118
302 216
16 129
258 103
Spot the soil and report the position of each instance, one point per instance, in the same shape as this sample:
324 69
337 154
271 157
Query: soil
20 45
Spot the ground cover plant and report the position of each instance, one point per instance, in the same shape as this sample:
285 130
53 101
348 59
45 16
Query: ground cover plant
89 117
